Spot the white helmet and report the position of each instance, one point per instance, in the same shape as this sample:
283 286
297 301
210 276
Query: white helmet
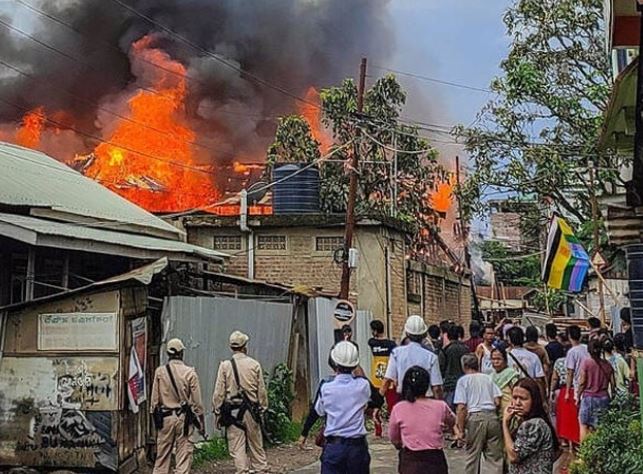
415 326
345 354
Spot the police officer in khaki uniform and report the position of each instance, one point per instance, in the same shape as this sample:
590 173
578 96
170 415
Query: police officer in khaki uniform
246 446
164 396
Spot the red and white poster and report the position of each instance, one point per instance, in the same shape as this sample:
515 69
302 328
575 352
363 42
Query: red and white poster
136 388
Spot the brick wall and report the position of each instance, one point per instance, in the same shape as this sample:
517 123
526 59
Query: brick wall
299 264
443 294
438 295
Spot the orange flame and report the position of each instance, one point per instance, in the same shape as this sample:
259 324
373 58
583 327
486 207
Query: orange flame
28 135
442 198
149 159
312 115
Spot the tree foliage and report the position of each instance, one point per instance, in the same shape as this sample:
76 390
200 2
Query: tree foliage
537 135
381 132
617 443
511 267
515 268
294 142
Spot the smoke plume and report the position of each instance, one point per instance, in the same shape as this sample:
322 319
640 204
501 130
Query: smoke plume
76 70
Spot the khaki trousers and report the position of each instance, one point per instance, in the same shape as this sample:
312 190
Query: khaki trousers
246 447
484 435
170 435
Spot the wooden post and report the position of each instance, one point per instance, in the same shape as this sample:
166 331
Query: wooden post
352 190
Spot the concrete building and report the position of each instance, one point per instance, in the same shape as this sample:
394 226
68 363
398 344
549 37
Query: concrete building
60 230
622 207
507 223
304 250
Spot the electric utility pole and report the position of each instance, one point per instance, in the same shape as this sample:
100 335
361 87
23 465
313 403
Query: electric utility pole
352 188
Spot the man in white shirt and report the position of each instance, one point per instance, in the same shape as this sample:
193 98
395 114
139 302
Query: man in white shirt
404 357
526 363
477 399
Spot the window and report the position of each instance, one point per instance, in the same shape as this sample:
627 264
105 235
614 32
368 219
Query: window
227 242
271 242
328 244
413 285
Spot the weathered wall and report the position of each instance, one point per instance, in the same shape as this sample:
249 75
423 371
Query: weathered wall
379 285
62 379
57 402
506 228
444 295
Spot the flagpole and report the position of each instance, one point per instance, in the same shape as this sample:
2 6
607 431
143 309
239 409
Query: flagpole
604 282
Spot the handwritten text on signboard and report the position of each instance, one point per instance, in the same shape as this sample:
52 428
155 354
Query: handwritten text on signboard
77 331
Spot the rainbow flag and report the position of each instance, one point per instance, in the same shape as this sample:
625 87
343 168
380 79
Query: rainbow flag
566 261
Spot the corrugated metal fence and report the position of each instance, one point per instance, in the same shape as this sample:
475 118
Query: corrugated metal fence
320 337
205 323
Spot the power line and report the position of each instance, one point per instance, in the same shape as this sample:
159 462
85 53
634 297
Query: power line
116 145
396 150
98 107
432 79
244 74
69 56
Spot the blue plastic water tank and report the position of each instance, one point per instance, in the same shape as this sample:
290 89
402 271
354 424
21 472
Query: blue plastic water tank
298 194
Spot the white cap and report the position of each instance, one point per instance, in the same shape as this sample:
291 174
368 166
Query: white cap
238 339
345 354
174 346
415 326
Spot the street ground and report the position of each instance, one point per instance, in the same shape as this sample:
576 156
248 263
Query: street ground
292 458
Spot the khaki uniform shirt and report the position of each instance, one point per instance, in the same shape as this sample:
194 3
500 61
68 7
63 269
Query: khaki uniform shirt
250 377
187 381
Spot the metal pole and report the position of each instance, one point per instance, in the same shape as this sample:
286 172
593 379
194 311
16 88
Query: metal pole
597 241
352 189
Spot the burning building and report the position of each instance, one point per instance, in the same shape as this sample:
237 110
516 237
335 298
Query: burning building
162 101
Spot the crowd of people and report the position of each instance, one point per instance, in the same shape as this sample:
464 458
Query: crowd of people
506 396
509 396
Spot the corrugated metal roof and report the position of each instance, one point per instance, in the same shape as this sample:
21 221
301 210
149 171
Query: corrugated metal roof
32 179
45 233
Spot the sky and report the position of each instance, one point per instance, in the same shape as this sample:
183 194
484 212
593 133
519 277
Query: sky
460 41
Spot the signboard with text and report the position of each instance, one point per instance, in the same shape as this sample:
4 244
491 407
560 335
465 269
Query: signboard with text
344 312
78 331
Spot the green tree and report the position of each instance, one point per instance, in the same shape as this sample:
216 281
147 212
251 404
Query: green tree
417 170
510 267
515 268
536 136
293 143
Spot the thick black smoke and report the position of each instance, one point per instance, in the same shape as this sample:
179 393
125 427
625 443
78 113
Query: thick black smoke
292 43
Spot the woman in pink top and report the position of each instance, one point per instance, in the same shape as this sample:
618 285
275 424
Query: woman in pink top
417 424
596 376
